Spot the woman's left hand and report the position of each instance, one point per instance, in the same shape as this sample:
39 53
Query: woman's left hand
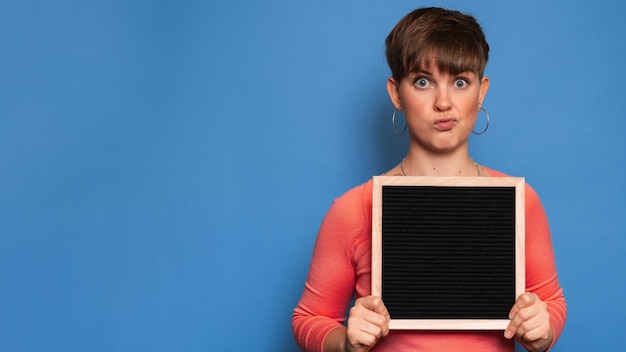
530 323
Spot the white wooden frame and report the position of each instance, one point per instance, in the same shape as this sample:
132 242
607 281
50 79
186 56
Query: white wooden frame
448 324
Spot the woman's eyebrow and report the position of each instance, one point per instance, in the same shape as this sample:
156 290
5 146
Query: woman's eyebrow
466 73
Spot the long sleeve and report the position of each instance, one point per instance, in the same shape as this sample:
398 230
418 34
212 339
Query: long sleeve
332 277
541 273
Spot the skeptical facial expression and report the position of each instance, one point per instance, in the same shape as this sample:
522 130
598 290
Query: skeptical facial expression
440 108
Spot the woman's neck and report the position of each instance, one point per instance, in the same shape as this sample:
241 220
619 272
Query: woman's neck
459 163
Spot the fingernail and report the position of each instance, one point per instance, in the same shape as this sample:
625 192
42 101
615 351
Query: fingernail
508 334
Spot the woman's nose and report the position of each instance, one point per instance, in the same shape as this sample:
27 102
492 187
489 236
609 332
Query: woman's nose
442 100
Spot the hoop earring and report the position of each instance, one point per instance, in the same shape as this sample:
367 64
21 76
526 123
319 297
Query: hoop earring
393 124
487 126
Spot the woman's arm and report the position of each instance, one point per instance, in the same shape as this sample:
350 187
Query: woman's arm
538 316
368 322
331 281
530 323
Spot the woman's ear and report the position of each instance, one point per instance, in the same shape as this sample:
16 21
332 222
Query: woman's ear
484 87
393 88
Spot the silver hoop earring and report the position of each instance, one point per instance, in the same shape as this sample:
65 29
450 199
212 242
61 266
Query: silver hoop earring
393 124
486 127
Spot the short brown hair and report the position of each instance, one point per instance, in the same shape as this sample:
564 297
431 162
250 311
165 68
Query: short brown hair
453 41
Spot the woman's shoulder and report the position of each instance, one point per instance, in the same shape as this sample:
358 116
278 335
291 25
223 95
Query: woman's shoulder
496 173
349 216
357 198
528 189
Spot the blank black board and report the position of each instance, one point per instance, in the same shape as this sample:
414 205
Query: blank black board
448 249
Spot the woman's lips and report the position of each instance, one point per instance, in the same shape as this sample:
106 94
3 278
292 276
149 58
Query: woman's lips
445 124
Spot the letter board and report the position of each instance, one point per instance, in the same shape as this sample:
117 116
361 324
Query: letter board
448 252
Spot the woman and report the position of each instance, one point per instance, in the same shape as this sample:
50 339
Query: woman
437 59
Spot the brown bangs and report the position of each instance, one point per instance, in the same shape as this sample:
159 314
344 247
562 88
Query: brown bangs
447 56
451 41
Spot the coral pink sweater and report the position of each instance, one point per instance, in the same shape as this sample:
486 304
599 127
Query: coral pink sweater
341 265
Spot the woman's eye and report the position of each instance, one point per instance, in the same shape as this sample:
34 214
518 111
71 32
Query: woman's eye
421 82
460 83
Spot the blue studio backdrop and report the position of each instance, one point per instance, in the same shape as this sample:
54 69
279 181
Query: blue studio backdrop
165 165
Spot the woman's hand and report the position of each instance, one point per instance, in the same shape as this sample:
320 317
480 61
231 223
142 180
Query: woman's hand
530 323
368 322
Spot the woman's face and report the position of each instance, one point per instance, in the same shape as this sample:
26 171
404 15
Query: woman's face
440 108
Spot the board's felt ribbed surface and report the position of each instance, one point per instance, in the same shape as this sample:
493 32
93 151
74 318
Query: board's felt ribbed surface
448 252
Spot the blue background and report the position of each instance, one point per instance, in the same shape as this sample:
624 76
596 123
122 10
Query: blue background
165 165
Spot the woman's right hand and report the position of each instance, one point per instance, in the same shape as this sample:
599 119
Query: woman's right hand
368 322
